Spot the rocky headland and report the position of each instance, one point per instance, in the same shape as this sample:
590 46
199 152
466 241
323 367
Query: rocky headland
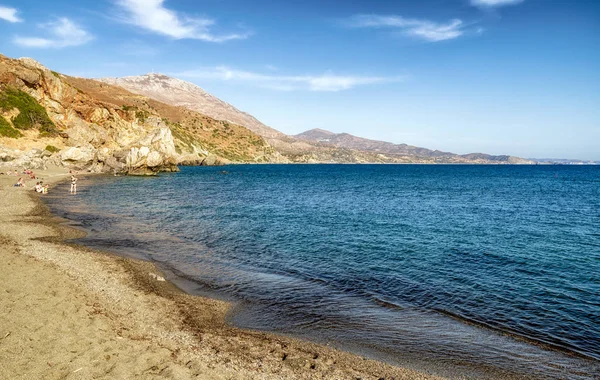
50 118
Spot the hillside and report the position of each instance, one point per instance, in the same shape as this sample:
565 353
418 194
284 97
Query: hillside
49 117
184 94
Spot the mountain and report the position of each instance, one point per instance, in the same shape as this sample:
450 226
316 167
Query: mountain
312 146
47 117
184 94
348 141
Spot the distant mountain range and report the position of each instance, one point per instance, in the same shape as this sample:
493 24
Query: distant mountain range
316 145
346 140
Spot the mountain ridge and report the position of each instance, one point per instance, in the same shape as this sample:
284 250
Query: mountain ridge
349 141
301 147
180 93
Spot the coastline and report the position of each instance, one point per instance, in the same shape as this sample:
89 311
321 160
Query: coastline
74 312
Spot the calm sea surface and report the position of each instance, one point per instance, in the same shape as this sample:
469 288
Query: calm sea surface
493 271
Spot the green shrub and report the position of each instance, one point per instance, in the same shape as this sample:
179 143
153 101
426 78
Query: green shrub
31 113
142 115
52 148
128 108
7 130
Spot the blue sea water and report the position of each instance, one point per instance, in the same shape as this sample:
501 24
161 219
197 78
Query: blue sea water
493 271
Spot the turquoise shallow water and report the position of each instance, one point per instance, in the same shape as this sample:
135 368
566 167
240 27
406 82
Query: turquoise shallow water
470 267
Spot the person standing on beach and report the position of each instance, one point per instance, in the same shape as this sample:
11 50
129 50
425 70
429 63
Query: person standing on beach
73 184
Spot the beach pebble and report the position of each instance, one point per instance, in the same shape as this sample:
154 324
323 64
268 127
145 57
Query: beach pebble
156 277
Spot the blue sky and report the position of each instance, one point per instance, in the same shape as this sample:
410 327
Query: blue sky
518 77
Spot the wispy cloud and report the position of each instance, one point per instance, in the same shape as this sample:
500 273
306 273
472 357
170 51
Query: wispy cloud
152 15
423 29
494 3
63 32
9 14
325 82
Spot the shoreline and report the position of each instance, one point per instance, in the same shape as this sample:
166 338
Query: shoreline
75 312
202 318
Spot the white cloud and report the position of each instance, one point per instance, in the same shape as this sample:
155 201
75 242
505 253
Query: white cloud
9 14
153 16
63 32
325 82
423 29
494 3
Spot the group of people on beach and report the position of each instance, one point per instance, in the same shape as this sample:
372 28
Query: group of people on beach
27 172
39 186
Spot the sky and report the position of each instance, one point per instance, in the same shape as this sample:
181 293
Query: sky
518 77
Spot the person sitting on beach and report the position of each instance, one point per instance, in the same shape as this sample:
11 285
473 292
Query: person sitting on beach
73 184
20 183
45 189
38 187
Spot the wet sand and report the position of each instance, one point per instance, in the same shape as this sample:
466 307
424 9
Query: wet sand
69 312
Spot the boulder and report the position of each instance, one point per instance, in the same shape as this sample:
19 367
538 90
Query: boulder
78 156
113 165
210 160
45 154
7 156
190 159
154 159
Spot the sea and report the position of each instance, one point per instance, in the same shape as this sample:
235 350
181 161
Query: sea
487 271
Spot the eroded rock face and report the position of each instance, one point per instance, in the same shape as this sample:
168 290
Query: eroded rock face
98 137
80 157
155 152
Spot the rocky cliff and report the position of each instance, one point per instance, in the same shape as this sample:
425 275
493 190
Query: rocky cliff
49 117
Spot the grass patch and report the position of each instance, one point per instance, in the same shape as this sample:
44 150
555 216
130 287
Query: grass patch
7 130
52 148
31 113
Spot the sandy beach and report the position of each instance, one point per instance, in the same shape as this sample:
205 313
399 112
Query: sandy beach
69 312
